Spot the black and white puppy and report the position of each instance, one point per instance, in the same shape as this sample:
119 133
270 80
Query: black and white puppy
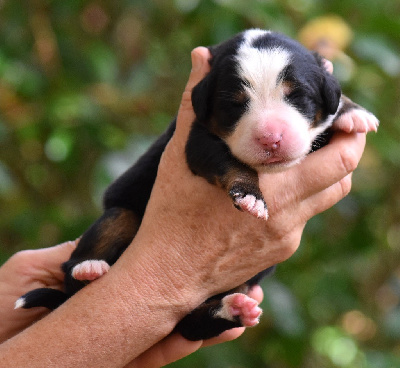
266 103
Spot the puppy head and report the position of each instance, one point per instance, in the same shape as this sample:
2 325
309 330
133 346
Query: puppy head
267 97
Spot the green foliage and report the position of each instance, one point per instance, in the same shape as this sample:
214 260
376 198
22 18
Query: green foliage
85 85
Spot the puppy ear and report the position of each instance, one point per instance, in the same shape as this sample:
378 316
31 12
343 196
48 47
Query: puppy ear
331 93
202 98
330 88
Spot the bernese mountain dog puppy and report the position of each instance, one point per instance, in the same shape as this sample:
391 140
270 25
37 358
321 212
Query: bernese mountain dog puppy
266 103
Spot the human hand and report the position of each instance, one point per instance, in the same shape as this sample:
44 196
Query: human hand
25 271
192 244
175 347
217 247
31 269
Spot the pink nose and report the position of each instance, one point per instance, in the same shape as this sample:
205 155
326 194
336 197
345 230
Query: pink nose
270 140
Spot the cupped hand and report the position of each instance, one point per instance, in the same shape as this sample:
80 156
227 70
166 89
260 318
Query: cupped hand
218 247
25 271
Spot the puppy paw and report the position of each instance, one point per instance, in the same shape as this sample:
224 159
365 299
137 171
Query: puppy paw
240 306
248 202
357 120
90 270
252 205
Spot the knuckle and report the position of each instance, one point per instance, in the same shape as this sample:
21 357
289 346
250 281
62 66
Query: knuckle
349 160
290 245
186 101
345 185
22 256
288 239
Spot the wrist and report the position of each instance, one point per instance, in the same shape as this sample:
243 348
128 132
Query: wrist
161 274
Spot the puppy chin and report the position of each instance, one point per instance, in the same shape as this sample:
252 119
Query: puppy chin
277 166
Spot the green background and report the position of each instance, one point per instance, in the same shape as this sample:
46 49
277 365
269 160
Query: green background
86 85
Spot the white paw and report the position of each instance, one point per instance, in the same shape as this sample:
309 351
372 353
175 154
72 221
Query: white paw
242 306
357 121
252 205
90 270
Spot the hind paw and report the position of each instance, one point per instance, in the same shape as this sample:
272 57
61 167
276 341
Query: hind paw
240 306
90 270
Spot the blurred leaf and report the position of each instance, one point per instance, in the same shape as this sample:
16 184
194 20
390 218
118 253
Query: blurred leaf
284 308
70 108
6 182
59 146
339 348
392 324
104 63
379 50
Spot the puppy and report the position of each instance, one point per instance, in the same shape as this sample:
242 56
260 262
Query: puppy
266 103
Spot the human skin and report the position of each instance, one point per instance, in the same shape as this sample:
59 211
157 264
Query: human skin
30 269
25 271
191 245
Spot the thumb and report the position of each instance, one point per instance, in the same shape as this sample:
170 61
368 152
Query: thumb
168 350
200 68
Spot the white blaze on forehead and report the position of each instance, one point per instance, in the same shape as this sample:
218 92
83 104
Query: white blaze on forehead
261 68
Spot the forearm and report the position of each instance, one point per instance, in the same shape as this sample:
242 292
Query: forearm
108 323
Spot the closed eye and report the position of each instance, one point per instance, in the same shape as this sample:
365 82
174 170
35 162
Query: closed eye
238 98
293 90
241 98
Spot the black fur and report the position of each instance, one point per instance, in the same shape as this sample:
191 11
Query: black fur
208 155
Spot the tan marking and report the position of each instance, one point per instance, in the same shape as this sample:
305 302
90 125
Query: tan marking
288 87
237 175
122 228
317 118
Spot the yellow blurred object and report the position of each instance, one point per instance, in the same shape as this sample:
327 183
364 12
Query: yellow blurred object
329 35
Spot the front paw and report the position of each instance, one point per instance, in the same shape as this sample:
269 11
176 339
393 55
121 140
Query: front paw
357 120
249 201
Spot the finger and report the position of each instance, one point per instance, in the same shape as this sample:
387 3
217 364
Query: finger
50 259
60 252
321 169
226 336
168 350
256 293
336 161
200 66
327 198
